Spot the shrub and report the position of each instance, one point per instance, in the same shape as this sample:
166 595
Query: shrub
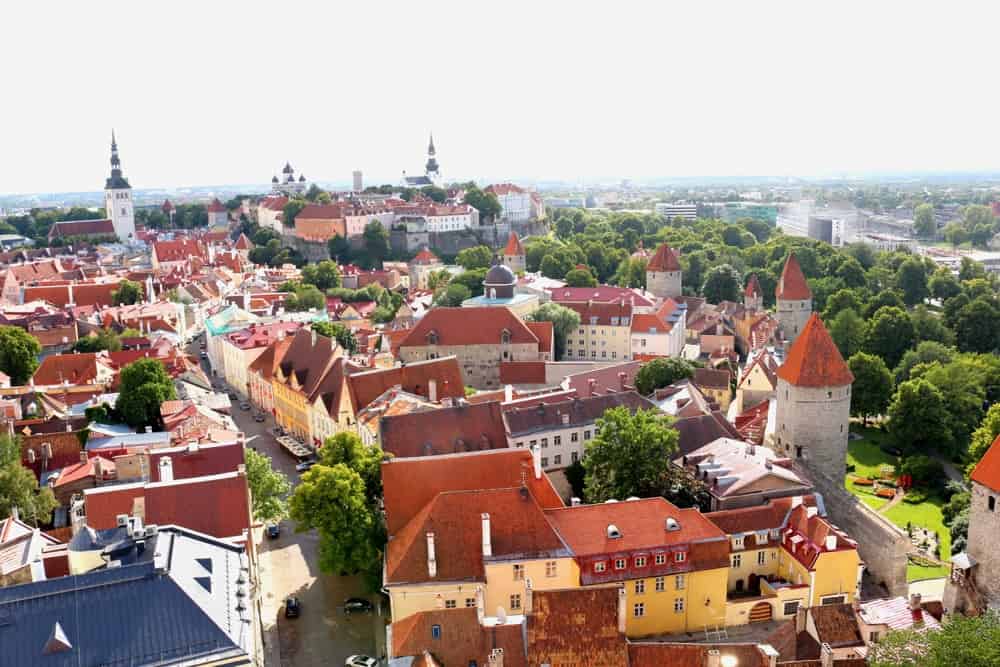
915 496
924 470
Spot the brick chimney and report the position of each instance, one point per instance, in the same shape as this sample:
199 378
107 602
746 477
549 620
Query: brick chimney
591 387
528 596
622 610
431 557
536 459
487 541
825 655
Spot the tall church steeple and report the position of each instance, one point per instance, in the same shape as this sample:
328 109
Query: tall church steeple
118 197
431 169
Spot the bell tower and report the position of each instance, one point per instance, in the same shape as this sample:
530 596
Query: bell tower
118 198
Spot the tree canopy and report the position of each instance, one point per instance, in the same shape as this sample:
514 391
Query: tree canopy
629 456
268 488
564 322
19 488
128 293
143 386
19 352
661 372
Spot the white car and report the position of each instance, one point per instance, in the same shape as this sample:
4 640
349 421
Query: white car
361 661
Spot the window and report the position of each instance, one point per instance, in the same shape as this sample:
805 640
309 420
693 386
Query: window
600 566
791 607
532 443
680 557
574 456
556 441
737 542
574 437
678 605
449 604
737 560
557 459
872 637
619 563
550 568
518 572
435 631
586 435
604 354
640 586
661 584
515 601
679 582
470 602
660 559
640 561
545 461
639 610
992 503
614 355
520 444
593 354
761 556
545 442
833 599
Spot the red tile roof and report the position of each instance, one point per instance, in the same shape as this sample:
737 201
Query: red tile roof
69 228
576 626
814 360
414 378
649 323
603 293
262 335
199 461
792 286
75 368
469 326
453 430
544 332
987 471
167 206
179 250
460 639
665 259
216 207
425 256
411 483
655 654
504 189
321 212
753 286
601 313
44 269
522 372
243 243
84 294
514 246
517 527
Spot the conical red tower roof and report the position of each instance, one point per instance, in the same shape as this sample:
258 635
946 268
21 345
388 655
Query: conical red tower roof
792 286
753 287
243 243
665 259
514 246
814 360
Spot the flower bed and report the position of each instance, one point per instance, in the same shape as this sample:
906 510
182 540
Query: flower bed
885 493
863 481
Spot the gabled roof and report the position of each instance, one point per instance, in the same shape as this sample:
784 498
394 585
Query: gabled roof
601 293
514 246
576 626
544 331
753 286
178 250
659 654
411 483
321 212
70 228
79 368
453 430
469 326
613 313
987 471
460 639
814 360
243 243
425 256
665 259
792 285
568 413
517 528
216 206
414 377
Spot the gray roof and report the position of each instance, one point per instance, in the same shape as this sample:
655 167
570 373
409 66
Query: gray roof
568 414
176 608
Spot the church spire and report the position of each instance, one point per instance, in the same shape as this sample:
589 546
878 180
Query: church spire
431 168
430 147
115 162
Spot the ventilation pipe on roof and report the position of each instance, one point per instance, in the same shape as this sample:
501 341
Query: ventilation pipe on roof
831 542
431 558
536 460
508 393
166 469
574 502
528 595
622 610
480 604
487 541
432 390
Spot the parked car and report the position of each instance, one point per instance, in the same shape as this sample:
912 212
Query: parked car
273 531
244 406
305 465
361 661
356 605
232 396
293 608
259 417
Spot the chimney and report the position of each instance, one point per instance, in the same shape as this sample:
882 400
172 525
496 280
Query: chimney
15 513
432 567
825 655
796 501
713 658
800 619
166 469
621 380
536 459
487 542
508 393
495 658
770 653
83 457
528 596
574 502
831 542
480 605
432 390
591 386
915 602
622 610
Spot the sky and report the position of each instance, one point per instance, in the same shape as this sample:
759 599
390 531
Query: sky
217 92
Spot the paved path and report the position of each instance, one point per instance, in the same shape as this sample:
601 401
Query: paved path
896 499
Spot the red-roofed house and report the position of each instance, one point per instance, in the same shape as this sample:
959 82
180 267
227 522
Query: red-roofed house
481 339
217 214
814 402
659 333
321 222
420 268
241 348
434 379
75 293
82 229
605 331
74 369
753 296
515 202
17 276
169 255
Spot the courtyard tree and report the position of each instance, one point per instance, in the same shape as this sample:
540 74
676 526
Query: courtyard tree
143 386
872 386
661 372
19 488
629 456
19 352
890 334
918 417
848 332
128 293
268 488
564 322
722 283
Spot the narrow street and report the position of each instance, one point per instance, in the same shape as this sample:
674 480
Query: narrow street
323 634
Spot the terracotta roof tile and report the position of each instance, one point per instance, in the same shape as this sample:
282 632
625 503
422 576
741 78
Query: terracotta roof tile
425 256
753 286
601 293
216 207
836 625
544 332
514 246
522 372
69 228
655 654
614 313
469 326
987 471
814 360
452 430
459 640
792 285
243 243
577 626
665 259
414 378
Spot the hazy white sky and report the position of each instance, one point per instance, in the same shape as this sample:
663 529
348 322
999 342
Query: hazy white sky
215 92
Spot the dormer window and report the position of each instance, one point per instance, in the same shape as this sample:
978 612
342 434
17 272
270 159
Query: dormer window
600 566
505 337
613 532
432 338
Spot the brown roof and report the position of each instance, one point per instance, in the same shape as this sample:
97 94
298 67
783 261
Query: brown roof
656 654
411 483
711 379
522 372
452 430
179 250
576 626
76 368
517 527
69 228
514 246
84 294
269 359
321 212
599 312
413 377
987 471
526 420
425 256
665 259
469 326
698 431
814 360
600 379
460 641
792 645
772 515
243 243
753 286
544 332
310 358
792 286
836 625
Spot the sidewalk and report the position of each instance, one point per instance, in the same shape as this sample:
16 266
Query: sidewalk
269 603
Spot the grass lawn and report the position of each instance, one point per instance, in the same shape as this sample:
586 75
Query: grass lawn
867 458
926 515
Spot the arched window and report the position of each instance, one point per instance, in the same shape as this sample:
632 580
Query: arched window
432 338
505 337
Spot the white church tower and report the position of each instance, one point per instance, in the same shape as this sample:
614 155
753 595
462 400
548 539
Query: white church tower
118 198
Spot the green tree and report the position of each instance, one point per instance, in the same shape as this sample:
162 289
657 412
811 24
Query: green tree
851 273
19 488
923 221
305 297
955 234
977 327
723 283
339 249
962 386
476 257
473 280
890 334
19 352
970 641
918 417
872 386
376 242
970 269
291 210
883 298
434 193
926 352
557 264
128 293
631 273
580 278
346 447
984 436
564 322
439 278
485 202
839 301
928 325
629 456
924 470
952 307
143 385
943 285
848 332
324 274
268 488
912 280
661 372
343 335
104 339
452 296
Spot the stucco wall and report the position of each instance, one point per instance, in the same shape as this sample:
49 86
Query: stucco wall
792 316
984 529
664 283
815 419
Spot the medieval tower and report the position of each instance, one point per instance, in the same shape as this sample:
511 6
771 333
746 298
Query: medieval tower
753 298
118 198
663 273
513 254
793 299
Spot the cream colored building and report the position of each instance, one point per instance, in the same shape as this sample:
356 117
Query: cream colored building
604 334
